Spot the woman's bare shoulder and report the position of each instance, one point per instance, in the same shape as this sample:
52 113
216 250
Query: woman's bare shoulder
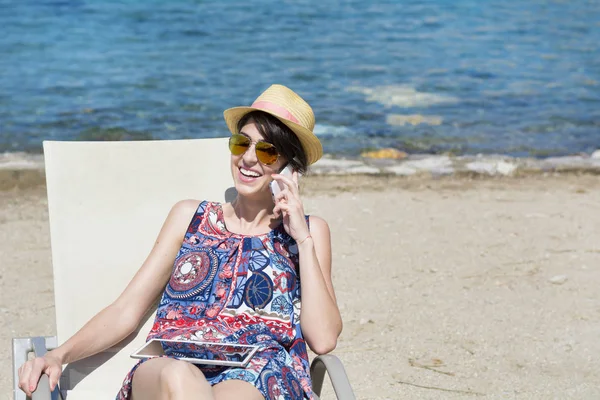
187 205
318 224
182 212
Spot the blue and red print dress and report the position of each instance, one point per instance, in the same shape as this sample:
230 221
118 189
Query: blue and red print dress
233 288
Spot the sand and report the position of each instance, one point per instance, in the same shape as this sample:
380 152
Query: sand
449 288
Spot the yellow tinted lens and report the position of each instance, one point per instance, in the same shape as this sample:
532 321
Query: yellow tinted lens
238 144
266 153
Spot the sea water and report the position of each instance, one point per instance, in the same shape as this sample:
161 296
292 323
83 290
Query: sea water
520 78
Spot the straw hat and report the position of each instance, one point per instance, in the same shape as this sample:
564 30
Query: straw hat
285 105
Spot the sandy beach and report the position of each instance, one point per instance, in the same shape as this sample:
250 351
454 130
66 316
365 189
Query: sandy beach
451 288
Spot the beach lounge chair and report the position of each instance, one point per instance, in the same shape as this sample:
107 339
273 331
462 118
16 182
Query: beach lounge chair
107 202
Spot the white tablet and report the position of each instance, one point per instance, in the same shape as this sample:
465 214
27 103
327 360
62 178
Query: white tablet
207 353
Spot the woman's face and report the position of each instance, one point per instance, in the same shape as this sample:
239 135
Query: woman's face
250 176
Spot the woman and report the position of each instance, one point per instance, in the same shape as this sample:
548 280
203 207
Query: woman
236 275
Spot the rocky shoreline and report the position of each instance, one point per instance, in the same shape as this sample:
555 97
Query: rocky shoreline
443 165
21 170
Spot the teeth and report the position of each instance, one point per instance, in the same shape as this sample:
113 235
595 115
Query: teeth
247 172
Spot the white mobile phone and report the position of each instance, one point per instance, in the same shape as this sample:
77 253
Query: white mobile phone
277 187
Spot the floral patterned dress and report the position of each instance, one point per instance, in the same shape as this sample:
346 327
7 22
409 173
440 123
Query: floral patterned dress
233 288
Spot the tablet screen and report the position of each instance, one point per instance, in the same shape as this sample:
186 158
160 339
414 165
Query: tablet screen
226 354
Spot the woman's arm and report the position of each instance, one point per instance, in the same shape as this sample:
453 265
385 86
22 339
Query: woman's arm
319 317
119 319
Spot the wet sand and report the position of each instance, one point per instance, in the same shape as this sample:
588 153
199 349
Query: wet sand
451 288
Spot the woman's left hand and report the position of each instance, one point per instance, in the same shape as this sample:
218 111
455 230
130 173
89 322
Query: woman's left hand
289 205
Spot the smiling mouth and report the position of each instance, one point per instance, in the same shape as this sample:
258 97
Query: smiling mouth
248 173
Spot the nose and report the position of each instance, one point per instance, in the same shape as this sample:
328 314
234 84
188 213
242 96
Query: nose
249 156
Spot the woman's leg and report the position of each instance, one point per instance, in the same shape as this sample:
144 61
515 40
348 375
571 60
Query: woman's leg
170 379
236 389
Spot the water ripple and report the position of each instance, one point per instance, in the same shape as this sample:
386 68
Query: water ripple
499 77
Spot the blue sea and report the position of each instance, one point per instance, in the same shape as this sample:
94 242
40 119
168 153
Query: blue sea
462 76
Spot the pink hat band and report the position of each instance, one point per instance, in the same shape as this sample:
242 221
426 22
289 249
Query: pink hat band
275 108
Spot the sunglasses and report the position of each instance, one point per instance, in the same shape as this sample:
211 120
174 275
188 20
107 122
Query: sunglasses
265 151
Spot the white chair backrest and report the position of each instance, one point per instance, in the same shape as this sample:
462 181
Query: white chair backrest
107 202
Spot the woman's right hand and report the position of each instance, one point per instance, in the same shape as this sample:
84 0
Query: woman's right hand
32 370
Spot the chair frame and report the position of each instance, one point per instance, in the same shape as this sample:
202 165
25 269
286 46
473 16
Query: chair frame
78 152
39 345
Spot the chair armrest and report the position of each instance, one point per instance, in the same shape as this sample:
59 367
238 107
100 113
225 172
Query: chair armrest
39 346
42 392
337 375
